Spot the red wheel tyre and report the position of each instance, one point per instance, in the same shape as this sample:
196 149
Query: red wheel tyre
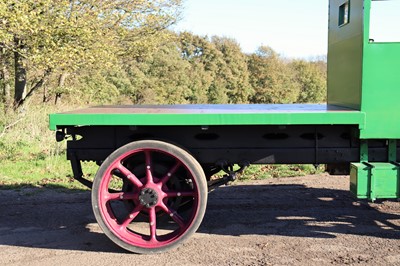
149 196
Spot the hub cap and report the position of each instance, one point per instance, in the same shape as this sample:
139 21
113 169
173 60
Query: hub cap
148 197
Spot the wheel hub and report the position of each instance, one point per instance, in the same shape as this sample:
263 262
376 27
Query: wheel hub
148 197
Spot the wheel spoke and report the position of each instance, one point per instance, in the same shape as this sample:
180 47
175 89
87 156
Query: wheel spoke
153 224
172 171
119 196
132 216
174 194
129 175
149 174
174 215
114 196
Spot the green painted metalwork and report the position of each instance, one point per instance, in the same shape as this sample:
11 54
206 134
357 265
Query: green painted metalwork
360 181
381 90
208 115
381 85
375 180
364 151
384 181
345 55
363 74
392 147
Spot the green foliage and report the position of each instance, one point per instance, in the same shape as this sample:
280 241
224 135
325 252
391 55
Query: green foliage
311 79
121 52
206 63
166 79
51 37
233 74
271 78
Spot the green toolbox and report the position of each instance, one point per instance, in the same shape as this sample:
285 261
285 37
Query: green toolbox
375 180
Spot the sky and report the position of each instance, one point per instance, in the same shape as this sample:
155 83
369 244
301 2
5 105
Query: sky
385 21
293 28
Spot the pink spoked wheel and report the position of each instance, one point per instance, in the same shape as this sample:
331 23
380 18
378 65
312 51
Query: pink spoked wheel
149 196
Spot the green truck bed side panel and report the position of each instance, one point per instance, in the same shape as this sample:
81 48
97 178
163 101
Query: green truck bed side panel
208 115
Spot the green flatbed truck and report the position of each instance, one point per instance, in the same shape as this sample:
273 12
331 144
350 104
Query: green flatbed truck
156 162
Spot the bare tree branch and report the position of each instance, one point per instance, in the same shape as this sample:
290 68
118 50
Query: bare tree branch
10 126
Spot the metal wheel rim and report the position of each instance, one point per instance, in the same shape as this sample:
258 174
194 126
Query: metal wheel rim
120 229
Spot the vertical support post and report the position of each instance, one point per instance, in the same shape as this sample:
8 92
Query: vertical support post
77 170
392 149
363 150
364 160
316 146
76 167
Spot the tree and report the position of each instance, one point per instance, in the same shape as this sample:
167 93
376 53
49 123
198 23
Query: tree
164 78
206 63
233 74
311 79
5 79
271 78
56 37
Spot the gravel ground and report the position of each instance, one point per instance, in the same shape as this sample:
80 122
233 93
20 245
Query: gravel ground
310 220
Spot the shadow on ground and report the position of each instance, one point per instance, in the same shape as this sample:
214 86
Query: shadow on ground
48 218
43 185
295 210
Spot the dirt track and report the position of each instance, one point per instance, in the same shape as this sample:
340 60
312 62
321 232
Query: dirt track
304 221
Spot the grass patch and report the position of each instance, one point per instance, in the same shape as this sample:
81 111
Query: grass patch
258 172
51 172
30 155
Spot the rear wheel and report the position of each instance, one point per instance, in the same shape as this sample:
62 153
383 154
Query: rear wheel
149 196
